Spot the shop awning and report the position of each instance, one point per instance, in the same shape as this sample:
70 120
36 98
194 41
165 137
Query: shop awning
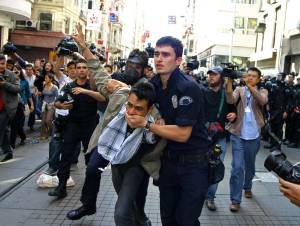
42 39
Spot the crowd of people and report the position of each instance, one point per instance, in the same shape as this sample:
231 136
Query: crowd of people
146 125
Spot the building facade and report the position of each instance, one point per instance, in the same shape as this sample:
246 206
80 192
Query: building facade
223 32
11 11
278 37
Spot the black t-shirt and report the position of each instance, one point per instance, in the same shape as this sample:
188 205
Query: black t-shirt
84 107
212 101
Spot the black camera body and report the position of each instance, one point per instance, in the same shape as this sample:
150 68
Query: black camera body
231 71
278 163
67 94
66 47
192 63
9 48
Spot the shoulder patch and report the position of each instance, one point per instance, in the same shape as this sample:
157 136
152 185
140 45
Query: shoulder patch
185 100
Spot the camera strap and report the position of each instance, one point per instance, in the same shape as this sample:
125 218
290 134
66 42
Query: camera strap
221 104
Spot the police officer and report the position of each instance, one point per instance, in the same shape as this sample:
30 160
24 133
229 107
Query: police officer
276 108
295 116
288 98
183 179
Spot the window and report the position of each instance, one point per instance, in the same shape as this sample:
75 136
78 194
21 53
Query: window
252 22
46 21
239 23
67 25
90 4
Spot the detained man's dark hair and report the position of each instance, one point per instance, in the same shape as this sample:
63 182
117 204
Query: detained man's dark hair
11 61
175 43
81 61
255 69
71 63
144 91
2 57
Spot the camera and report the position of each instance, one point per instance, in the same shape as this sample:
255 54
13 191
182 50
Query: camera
231 71
66 47
278 163
9 48
67 94
95 52
192 63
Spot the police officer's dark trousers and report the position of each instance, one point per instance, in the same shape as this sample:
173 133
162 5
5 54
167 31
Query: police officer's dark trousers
74 133
92 180
183 185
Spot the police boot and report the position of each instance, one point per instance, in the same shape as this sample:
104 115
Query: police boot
60 191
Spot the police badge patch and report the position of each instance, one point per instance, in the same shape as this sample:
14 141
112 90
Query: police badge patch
185 100
174 101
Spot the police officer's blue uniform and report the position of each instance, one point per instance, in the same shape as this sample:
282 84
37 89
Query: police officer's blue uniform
183 179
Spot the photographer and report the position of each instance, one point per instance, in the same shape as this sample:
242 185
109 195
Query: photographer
245 133
291 191
9 89
218 114
82 121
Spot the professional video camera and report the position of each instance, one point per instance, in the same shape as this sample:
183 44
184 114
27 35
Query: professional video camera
9 48
94 51
277 162
192 63
231 71
66 47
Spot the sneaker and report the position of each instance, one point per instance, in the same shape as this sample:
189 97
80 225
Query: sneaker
234 207
210 204
248 194
7 157
50 172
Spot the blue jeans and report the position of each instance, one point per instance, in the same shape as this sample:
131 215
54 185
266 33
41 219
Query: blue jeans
211 193
243 166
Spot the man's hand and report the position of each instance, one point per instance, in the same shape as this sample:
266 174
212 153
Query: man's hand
113 85
291 191
79 38
79 90
160 122
135 121
2 83
231 116
66 106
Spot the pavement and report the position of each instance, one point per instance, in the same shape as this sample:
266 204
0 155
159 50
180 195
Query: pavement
29 205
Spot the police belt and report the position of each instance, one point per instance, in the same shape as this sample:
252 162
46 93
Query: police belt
189 156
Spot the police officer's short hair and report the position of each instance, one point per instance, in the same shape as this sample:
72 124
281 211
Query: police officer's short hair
144 91
175 43
256 70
